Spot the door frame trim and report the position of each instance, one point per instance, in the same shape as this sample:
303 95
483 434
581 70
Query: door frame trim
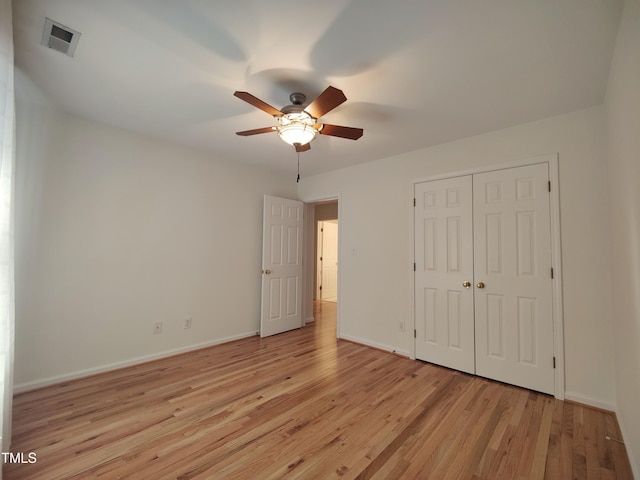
306 299
556 252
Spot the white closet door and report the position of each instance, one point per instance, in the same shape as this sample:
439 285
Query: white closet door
444 262
512 268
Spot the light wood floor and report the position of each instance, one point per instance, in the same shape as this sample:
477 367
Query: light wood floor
303 405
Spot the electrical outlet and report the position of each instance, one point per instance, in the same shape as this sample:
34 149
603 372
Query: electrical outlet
157 328
187 323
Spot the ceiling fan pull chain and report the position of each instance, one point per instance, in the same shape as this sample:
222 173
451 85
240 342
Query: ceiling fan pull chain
298 180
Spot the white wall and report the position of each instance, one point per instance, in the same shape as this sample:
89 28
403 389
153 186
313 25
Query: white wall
376 238
116 231
623 115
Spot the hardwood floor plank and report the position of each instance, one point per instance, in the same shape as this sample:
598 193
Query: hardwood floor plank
542 440
485 426
305 405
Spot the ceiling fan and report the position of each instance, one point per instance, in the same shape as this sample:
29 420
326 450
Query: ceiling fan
298 125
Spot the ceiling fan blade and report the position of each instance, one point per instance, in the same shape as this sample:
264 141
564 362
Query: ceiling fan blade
256 131
256 102
327 101
302 148
342 132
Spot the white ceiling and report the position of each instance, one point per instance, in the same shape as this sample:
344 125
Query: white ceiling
416 73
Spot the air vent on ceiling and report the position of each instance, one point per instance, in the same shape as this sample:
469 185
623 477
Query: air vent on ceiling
60 38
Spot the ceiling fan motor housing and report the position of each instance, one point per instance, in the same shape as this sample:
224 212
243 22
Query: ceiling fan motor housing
298 98
289 109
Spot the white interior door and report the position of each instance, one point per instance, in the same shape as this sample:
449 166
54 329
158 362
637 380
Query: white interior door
281 266
444 273
513 314
329 261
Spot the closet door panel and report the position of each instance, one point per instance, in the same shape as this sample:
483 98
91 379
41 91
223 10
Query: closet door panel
513 288
444 262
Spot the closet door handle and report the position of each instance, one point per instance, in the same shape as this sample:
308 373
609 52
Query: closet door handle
466 284
480 285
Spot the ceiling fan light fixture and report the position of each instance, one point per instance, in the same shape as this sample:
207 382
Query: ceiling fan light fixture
296 128
297 133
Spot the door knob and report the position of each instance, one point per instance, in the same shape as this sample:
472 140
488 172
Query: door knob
480 285
267 272
466 284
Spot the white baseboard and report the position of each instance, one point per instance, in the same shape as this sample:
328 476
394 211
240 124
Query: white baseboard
45 382
379 346
586 400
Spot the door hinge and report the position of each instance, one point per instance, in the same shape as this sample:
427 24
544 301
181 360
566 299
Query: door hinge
549 185
554 362
551 272
414 266
415 334
414 202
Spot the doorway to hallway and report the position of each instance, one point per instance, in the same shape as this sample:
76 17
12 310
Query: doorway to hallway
327 261
322 254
